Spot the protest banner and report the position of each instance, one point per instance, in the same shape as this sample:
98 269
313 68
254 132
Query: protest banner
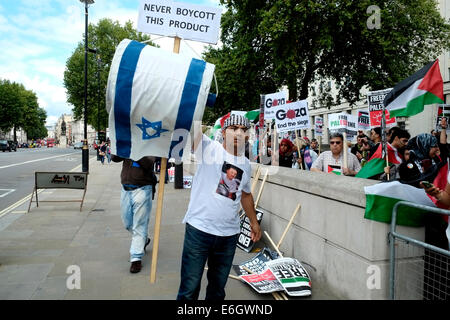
292 275
343 123
292 116
375 100
256 264
318 126
443 112
245 241
363 120
271 101
264 282
177 19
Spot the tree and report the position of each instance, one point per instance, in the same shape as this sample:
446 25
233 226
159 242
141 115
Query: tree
103 37
11 104
294 43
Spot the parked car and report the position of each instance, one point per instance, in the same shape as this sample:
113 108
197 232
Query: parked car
7 145
78 145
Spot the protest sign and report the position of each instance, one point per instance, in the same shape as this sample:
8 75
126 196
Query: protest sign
177 19
257 264
343 122
264 282
443 112
292 116
318 126
375 100
363 120
271 101
245 241
292 275
187 182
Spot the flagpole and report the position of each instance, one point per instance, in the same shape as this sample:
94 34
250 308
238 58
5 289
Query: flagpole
162 178
383 136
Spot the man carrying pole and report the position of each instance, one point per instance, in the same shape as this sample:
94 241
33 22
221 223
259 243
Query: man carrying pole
212 220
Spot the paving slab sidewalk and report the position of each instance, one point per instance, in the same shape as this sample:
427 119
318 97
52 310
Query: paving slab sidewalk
37 248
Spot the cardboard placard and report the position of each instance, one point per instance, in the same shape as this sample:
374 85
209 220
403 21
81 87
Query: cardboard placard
292 275
245 242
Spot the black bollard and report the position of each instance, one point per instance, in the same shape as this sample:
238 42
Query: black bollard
178 183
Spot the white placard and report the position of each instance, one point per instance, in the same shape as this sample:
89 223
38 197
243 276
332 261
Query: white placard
292 116
343 122
184 20
318 126
273 100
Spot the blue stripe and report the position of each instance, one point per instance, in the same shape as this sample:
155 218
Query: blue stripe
122 99
189 99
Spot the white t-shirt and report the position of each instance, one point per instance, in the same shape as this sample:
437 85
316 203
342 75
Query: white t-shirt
216 190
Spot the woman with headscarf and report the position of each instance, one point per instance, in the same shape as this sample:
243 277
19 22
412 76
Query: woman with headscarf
286 153
428 159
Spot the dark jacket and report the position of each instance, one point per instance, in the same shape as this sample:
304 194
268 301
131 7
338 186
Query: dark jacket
139 173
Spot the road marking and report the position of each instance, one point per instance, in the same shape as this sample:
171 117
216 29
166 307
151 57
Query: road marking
5 194
18 164
18 211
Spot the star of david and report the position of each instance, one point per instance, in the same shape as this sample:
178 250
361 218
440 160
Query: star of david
150 130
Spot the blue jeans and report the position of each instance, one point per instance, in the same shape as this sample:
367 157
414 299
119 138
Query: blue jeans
136 206
198 248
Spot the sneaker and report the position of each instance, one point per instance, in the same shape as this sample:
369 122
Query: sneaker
136 266
146 244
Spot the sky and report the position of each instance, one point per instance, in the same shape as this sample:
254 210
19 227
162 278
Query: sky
38 36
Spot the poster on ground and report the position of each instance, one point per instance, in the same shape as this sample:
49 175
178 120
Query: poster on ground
292 116
264 282
292 275
375 100
257 264
271 101
245 241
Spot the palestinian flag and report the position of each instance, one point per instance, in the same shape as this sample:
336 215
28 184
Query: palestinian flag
218 125
334 169
424 87
253 115
381 198
377 162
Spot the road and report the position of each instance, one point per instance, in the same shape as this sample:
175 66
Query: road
17 169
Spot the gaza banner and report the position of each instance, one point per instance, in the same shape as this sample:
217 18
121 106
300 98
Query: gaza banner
375 100
318 126
177 19
343 122
264 282
271 101
292 275
292 116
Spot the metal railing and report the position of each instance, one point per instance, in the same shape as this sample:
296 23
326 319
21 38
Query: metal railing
424 269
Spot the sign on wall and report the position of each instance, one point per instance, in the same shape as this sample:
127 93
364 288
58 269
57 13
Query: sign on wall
177 19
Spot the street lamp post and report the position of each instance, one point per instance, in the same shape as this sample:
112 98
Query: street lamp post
85 152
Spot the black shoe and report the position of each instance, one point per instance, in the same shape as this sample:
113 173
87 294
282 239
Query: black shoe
146 244
136 266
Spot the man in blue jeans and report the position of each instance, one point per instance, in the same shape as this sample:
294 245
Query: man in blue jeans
138 188
212 220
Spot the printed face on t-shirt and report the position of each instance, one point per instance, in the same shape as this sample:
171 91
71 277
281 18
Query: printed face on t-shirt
230 181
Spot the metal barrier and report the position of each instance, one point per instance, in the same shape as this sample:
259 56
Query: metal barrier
425 269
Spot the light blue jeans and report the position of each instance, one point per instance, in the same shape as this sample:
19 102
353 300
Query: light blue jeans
136 206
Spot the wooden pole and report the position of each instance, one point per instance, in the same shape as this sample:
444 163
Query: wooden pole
344 150
162 177
273 244
288 226
298 149
320 144
261 189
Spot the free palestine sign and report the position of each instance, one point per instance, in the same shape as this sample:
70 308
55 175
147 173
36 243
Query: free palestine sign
177 19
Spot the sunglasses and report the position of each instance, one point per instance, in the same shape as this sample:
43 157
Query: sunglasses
335 142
